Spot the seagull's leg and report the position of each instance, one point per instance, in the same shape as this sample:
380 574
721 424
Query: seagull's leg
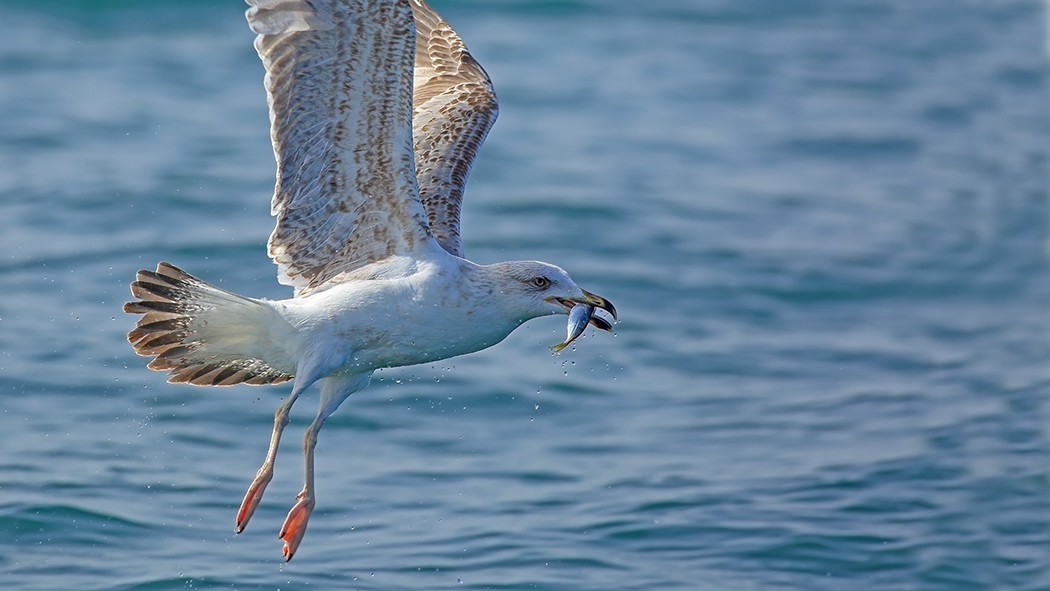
265 473
308 372
334 391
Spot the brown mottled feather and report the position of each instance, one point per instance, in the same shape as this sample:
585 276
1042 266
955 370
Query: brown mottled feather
453 108
339 84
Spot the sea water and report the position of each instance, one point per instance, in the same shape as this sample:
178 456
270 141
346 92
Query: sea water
824 224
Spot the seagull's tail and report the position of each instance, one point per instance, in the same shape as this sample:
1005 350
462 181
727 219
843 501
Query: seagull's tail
202 334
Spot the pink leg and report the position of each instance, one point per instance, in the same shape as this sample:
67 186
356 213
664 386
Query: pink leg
265 473
295 524
333 393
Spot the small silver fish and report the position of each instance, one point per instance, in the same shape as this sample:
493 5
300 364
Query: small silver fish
579 316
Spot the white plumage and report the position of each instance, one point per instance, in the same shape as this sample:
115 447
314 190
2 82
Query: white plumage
377 111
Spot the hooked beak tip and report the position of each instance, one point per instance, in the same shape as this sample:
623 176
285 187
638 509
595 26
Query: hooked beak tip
599 302
591 299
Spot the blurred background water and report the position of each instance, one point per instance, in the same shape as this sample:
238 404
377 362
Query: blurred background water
824 222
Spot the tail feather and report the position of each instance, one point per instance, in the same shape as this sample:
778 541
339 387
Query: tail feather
182 327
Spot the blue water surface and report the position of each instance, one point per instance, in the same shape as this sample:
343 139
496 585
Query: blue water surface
824 223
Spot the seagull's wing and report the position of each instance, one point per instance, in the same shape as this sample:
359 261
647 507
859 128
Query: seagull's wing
453 107
339 85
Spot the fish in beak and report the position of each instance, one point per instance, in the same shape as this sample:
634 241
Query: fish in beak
579 316
581 313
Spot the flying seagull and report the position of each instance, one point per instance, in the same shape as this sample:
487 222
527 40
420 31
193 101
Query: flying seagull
373 151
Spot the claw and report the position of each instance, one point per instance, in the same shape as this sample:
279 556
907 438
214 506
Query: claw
295 525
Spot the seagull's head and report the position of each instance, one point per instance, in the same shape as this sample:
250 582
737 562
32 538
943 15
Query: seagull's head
541 289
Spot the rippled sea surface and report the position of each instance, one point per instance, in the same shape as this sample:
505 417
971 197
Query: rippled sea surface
824 223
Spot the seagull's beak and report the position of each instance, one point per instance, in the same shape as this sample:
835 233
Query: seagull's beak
590 299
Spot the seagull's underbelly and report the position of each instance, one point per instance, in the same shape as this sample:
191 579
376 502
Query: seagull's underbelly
389 327
410 339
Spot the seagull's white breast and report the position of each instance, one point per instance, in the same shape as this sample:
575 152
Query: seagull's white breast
434 312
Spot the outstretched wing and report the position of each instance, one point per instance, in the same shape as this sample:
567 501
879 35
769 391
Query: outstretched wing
453 108
339 85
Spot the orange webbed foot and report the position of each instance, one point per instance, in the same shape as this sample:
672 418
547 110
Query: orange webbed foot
295 525
252 498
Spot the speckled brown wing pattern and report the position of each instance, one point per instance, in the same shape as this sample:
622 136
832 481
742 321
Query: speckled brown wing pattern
339 86
453 108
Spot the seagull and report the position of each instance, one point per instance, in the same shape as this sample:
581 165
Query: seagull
377 111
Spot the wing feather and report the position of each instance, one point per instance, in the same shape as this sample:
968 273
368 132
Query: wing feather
339 87
453 108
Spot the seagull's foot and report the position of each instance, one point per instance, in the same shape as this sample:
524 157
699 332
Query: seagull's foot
295 524
252 497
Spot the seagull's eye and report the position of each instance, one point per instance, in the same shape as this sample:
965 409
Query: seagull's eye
540 282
